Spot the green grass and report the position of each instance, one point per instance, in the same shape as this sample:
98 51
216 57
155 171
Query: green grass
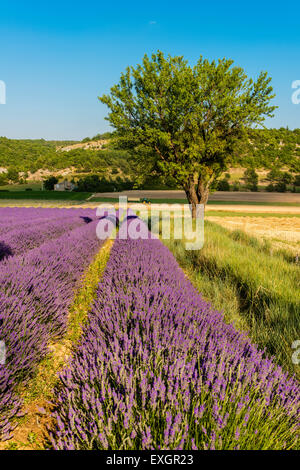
257 288
249 214
111 200
44 195
254 203
35 186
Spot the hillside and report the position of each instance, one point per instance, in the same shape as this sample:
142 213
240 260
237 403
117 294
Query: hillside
272 148
37 159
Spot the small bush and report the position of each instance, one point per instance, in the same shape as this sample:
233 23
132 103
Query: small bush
50 183
251 179
280 187
270 188
236 187
223 185
253 188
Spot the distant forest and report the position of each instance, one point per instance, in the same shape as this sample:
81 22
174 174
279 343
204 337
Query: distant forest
270 148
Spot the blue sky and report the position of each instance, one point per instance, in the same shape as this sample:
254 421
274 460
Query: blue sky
57 57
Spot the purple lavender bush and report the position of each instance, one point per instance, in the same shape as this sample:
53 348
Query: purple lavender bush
19 240
36 291
12 218
157 368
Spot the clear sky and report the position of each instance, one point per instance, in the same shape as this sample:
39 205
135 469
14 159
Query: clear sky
58 56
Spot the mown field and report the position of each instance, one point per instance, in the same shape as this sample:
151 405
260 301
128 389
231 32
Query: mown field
44 195
138 344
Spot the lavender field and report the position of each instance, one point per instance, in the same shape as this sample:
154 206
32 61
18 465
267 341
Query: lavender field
156 366
43 257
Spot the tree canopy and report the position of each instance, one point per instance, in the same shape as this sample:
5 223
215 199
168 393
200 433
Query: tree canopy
183 121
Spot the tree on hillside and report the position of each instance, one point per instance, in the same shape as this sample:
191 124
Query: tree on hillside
184 121
3 179
50 182
251 179
279 180
12 175
223 185
296 182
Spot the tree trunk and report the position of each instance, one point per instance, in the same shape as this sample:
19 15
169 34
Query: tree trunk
195 197
202 192
192 197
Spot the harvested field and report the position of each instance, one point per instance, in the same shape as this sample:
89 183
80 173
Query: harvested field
283 232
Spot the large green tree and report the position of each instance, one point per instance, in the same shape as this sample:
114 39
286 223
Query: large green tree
185 121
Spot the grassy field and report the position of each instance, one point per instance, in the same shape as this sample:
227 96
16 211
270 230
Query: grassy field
255 286
225 213
44 195
35 186
282 231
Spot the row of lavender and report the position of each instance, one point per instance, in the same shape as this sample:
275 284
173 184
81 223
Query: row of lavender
157 368
26 230
36 291
14 216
